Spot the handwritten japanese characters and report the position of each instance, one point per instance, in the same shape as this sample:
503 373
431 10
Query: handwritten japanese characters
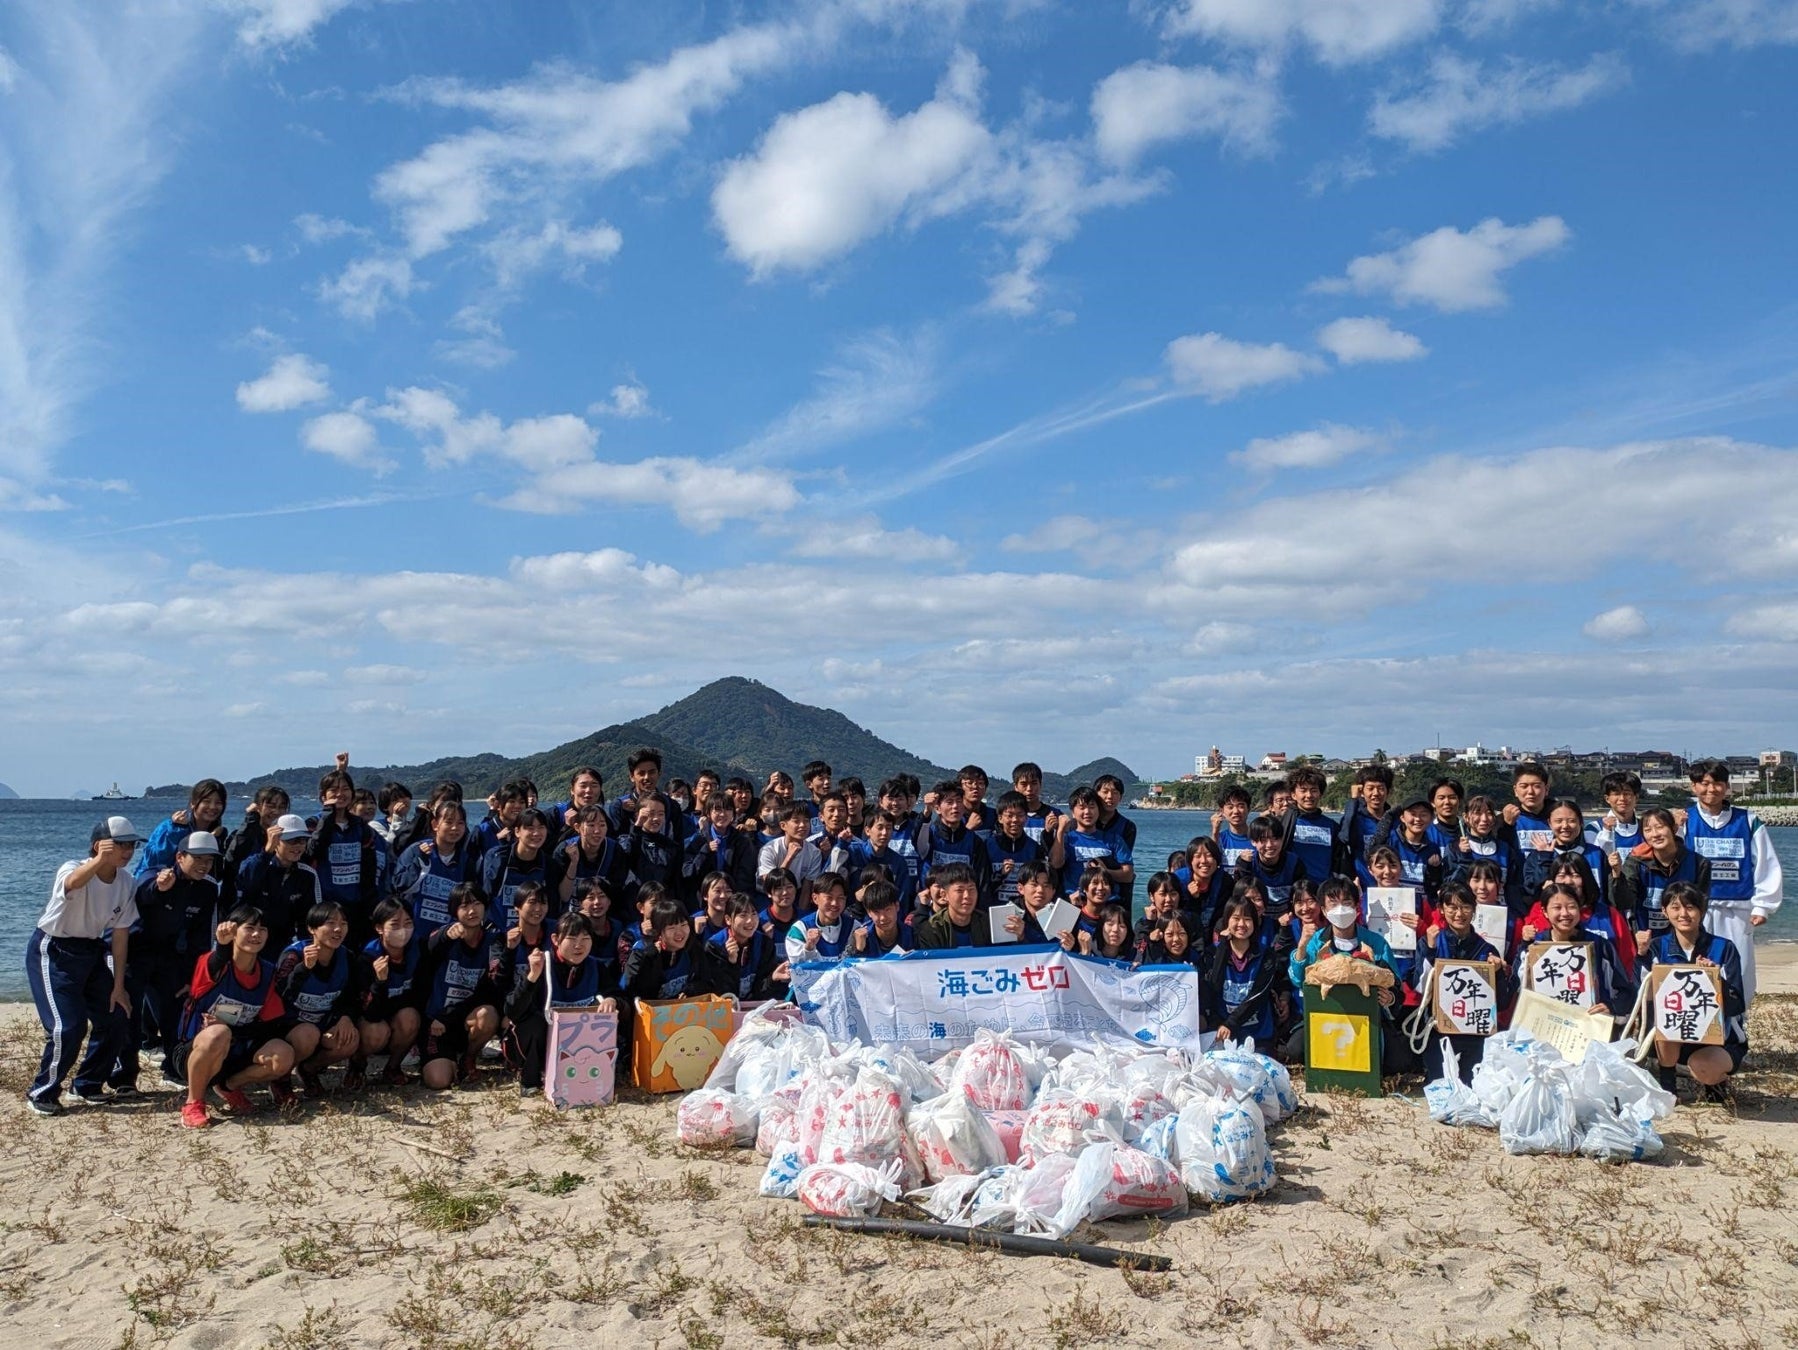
1466 997
1561 971
1687 1004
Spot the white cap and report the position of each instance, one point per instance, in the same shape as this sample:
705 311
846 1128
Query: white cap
201 844
293 827
118 829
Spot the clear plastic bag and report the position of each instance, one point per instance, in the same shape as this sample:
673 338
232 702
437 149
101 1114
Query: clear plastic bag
712 1118
991 1072
1139 1105
1452 1102
847 1190
1254 1080
1607 1082
1009 1127
780 1180
776 1126
1620 1137
1109 1180
953 1138
864 1124
1034 1197
1221 1145
1539 1119
950 1200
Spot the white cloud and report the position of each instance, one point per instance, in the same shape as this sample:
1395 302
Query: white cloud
1461 95
291 382
245 709
9 71
1776 621
1149 102
1354 341
384 675
516 254
1338 31
827 177
281 23
1449 269
1224 637
367 286
1350 549
865 537
84 142
1220 368
317 229
254 256
558 126
1698 25
1316 449
877 381
1483 16
348 437
702 496
1055 535
628 400
485 346
1621 624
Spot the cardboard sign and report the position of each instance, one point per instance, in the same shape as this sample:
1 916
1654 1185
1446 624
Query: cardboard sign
1384 905
1342 1040
1687 1004
1466 997
1556 1023
676 1042
1493 922
581 1066
1561 971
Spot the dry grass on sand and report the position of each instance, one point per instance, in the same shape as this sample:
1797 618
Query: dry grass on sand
403 1218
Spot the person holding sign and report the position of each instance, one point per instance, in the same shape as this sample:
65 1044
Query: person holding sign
1688 942
1457 941
1344 935
1601 977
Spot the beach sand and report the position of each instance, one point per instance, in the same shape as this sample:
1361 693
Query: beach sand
403 1218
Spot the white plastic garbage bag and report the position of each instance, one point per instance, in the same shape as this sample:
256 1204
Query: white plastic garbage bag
953 1138
991 1072
847 1190
1539 1118
1109 1180
711 1118
1221 1146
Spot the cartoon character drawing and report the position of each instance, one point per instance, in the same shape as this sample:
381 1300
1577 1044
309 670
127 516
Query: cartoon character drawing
583 1051
688 1055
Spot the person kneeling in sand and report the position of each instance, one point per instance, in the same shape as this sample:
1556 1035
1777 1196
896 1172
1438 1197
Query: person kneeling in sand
230 1035
462 1009
1688 942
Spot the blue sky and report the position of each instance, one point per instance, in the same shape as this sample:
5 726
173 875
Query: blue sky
1023 379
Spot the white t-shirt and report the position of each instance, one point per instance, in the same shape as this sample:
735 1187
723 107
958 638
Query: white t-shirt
92 910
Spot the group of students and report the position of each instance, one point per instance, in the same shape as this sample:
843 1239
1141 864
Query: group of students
379 931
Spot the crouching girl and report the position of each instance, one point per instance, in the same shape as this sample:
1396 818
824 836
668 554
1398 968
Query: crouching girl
230 1032
322 988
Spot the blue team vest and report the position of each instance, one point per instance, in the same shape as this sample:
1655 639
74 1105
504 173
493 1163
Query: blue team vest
1652 884
1486 850
573 986
746 973
400 975
460 971
1314 841
510 876
430 893
230 1001
1278 885
1080 849
1235 846
904 843
828 949
313 1001
1237 985
1731 851
998 851
1413 860
945 851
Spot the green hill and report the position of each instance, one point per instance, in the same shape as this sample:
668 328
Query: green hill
734 725
1056 786
745 722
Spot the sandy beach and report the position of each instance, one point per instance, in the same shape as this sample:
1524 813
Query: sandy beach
403 1218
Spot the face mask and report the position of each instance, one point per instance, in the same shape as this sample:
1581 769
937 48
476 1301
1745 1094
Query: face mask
1340 916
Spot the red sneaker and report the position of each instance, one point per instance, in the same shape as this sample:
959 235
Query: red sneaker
193 1115
236 1101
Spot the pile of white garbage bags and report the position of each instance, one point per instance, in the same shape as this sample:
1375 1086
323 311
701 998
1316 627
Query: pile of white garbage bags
998 1134
1604 1107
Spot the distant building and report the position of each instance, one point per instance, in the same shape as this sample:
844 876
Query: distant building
1273 761
1216 764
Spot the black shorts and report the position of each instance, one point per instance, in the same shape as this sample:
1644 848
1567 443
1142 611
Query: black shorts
239 1057
1737 1052
452 1044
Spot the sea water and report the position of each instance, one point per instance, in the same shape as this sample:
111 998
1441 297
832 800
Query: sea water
37 836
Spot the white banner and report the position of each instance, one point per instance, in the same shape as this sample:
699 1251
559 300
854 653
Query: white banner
935 1001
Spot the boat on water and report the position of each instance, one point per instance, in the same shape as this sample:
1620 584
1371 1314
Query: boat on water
112 794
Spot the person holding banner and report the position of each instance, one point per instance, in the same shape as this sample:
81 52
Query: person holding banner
1456 941
1687 943
954 924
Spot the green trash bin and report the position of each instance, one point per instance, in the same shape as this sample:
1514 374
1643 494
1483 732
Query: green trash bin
1342 1040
